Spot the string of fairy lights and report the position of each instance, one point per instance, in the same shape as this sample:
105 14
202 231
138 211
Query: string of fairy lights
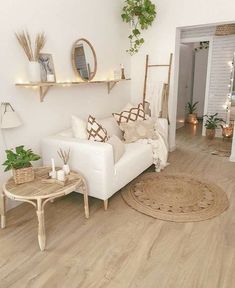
229 99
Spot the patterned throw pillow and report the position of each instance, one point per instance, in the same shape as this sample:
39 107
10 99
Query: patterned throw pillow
134 131
134 114
95 131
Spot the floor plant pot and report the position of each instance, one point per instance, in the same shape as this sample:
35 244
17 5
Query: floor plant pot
192 118
210 134
34 72
23 175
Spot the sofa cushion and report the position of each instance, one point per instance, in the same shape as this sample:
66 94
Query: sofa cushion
134 114
95 131
118 147
137 158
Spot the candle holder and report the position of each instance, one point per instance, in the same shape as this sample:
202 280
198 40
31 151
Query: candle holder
227 131
123 77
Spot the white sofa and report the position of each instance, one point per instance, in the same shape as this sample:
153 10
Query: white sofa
95 160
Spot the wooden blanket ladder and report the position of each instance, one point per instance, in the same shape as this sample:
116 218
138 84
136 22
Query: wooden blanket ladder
166 86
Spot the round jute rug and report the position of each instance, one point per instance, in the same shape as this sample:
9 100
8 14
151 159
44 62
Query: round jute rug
175 197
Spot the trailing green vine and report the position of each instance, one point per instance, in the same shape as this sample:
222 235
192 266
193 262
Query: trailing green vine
140 14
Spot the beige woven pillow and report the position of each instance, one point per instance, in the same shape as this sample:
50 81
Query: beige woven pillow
95 131
134 114
134 131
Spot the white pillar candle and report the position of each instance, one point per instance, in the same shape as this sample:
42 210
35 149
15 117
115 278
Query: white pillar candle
61 175
52 174
53 164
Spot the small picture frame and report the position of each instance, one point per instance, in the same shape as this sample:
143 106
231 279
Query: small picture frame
47 69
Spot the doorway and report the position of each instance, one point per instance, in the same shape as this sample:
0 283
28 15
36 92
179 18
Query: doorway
192 85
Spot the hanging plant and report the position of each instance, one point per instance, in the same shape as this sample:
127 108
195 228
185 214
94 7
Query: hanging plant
204 45
140 14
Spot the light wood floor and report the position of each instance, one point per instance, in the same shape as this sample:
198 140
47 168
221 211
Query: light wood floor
122 248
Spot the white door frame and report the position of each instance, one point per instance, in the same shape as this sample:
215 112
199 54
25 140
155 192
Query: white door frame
177 62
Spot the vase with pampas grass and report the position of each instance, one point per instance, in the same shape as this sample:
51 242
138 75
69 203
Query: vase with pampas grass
64 156
32 52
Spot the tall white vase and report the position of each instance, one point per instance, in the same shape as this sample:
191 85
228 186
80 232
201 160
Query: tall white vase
34 71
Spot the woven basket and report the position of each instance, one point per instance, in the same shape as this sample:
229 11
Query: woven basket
23 175
223 30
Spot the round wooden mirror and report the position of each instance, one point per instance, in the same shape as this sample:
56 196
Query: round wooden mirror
84 59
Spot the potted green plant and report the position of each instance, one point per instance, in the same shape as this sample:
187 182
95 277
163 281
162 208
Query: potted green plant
192 108
140 14
212 122
19 161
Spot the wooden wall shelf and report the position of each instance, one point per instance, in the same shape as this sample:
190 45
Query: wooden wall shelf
44 87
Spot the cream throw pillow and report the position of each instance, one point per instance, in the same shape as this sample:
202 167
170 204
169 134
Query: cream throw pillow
118 147
136 130
79 127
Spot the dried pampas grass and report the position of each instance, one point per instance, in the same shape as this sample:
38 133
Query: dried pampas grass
25 42
64 155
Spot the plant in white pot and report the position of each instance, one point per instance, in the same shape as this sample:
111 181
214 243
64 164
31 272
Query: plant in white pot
212 122
192 115
32 52
19 161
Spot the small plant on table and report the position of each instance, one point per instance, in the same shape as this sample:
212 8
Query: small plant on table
19 161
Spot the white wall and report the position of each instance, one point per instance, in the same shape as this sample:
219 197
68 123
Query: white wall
160 39
63 22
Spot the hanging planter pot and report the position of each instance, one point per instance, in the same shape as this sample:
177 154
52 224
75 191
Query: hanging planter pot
140 14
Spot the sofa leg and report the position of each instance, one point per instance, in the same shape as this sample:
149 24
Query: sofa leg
106 204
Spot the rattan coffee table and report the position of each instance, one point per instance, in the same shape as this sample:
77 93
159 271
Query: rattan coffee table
39 192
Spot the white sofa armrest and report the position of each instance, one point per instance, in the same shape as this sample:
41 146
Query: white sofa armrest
93 159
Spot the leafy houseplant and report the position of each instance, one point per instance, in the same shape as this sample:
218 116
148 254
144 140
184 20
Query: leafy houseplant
192 108
140 14
19 161
212 122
